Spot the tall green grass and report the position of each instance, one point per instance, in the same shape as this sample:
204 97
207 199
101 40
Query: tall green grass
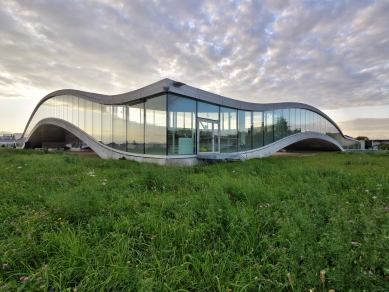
70 223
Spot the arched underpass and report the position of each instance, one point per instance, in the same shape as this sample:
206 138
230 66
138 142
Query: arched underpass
313 144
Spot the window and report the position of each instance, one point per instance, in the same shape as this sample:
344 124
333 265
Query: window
155 130
245 126
182 125
135 128
207 111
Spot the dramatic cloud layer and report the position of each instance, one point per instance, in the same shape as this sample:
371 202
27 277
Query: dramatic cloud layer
330 54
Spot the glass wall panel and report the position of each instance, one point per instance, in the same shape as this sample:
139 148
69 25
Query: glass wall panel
88 117
60 106
106 125
207 111
268 127
69 103
75 110
49 107
119 127
312 121
323 125
279 122
65 107
155 130
182 125
228 130
292 121
316 122
135 128
81 113
245 126
302 119
308 125
57 107
257 130
286 122
96 121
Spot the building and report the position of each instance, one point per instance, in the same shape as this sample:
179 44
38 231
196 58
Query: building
375 143
169 122
8 140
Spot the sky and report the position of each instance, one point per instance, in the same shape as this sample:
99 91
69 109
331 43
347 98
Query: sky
333 55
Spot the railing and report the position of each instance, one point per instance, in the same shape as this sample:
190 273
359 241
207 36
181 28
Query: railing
237 146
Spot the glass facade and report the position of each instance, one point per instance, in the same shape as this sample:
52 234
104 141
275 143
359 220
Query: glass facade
182 125
258 130
135 128
168 124
155 125
228 130
245 129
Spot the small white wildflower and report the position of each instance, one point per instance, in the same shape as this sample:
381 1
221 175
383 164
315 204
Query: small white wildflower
366 191
374 197
19 167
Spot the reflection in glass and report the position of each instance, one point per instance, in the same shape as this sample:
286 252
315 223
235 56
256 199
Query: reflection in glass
207 135
69 103
228 130
81 113
245 129
182 129
298 121
285 127
119 127
279 124
292 121
75 110
88 117
96 121
155 130
106 122
135 128
207 111
268 127
257 129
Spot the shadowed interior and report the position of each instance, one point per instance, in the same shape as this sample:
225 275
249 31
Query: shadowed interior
53 134
313 145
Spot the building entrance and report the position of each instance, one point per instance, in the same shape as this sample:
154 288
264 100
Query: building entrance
208 136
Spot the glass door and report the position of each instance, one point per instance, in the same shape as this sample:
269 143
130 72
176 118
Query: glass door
208 136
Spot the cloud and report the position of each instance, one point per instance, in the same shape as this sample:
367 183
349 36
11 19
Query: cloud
369 127
330 54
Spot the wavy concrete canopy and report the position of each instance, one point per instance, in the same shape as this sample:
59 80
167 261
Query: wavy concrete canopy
51 127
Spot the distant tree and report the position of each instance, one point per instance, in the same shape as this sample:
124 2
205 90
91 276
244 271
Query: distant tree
368 143
364 138
383 146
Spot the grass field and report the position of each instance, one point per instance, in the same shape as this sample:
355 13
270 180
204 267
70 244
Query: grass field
70 223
